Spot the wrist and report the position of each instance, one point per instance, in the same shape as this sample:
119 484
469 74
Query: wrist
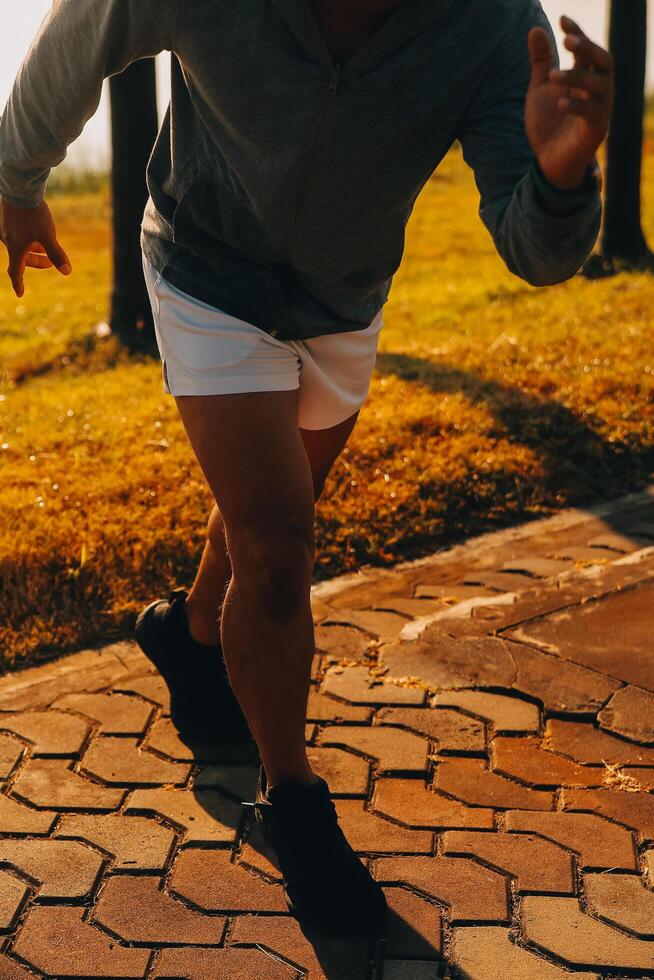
570 181
566 202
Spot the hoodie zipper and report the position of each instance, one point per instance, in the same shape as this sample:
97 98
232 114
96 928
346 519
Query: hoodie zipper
333 85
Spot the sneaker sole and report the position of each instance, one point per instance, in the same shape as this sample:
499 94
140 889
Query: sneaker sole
147 641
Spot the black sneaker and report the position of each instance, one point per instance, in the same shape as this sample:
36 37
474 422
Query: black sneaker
324 881
202 702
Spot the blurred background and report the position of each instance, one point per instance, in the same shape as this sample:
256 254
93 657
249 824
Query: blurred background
492 401
19 20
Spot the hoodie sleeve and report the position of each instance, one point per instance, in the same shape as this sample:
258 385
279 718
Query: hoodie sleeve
57 89
544 235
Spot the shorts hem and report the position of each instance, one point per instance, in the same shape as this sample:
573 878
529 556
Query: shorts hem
331 421
239 386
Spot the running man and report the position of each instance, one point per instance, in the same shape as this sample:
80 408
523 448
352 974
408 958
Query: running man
298 137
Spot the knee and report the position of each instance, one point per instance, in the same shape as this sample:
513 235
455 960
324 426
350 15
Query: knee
275 567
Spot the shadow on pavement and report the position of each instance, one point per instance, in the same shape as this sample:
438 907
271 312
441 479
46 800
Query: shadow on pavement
232 770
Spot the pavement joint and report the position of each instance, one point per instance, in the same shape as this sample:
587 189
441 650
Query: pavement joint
489 751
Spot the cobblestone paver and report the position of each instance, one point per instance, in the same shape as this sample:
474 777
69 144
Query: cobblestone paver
485 721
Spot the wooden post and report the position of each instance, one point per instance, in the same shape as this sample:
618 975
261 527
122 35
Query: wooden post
134 127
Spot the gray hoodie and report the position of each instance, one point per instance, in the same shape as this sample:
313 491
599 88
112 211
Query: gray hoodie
281 183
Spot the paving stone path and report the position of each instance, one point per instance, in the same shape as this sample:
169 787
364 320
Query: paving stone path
485 720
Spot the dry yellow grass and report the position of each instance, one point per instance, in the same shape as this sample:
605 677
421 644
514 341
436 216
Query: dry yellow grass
492 402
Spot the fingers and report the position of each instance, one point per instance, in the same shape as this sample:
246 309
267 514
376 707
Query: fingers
16 269
540 54
34 255
57 256
38 260
586 53
591 82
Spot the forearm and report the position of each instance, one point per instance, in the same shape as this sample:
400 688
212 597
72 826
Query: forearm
543 235
59 84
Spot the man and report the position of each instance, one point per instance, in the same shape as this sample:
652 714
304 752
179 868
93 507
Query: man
299 135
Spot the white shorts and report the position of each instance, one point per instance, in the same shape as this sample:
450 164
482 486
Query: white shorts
205 351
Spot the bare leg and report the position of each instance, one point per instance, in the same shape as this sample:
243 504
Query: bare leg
254 459
205 599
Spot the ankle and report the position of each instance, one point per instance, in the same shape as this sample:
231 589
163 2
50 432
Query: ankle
303 778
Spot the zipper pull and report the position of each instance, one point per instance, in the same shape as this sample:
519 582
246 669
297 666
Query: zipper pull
336 74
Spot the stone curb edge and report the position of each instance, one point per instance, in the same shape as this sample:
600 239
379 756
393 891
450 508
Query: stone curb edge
554 522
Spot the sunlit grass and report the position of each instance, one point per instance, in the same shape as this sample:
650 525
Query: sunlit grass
492 401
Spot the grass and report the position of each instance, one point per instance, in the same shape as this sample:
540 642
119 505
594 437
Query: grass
492 402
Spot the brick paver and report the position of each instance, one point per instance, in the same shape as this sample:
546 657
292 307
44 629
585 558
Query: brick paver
205 817
164 739
635 810
471 782
524 759
59 941
358 685
414 804
324 957
505 714
341 642
213 882
10 752
52 784
115 714
61 868
447 663
471 891
587 635
585 743
536 864
15 818
368 832
347 773
136 843
477 951
13 894
321 707
381 625
559 684
484 719
137 910
237 964
49 732
559 927
622 900
256 853
416 925
121 762
392 750
452 731
11 970
630 713
410 970
597 842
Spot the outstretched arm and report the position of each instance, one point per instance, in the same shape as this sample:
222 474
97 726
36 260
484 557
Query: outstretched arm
57 89
531 135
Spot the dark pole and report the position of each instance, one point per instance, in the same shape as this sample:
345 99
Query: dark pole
622 236
134 127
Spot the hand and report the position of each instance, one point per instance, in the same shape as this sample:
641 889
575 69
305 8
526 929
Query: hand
567 113
31 240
